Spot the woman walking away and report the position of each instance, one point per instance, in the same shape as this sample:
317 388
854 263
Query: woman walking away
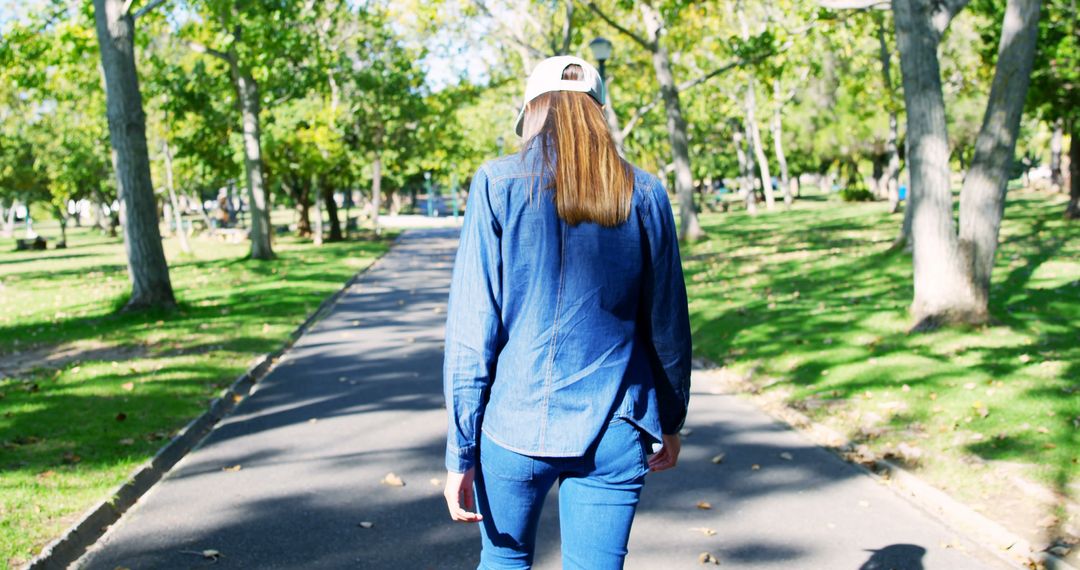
567 334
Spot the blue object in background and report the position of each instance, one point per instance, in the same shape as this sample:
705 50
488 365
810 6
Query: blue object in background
903 193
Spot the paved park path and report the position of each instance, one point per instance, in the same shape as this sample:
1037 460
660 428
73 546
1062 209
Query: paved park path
359 396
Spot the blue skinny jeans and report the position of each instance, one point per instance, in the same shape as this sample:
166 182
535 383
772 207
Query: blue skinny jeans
598 494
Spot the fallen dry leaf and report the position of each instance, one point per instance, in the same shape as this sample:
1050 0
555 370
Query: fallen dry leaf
719 458
121 417
755 467
704 505
707 558
232 468
392 480
704 530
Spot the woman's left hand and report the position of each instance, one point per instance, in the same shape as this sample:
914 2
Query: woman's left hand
668 455
460 498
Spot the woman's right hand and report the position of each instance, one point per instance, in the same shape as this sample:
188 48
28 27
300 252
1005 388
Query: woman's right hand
460 499
668 455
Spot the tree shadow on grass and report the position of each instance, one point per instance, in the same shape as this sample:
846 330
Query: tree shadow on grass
850 310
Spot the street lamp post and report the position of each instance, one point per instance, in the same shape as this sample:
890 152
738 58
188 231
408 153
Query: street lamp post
601 50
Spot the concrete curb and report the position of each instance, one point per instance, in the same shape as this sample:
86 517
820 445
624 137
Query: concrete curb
979 528
963 518
73 543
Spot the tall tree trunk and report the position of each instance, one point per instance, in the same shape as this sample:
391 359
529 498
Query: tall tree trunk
396 202
942 292
952 273
778 144
150 284
982 198
753 134
1057 177
248 92
9 223
318 210
757 147
301 197
178 218
62 219
746 177
892 169
689 226
332 213
376 191
303 218
1072 211
891 177
202 213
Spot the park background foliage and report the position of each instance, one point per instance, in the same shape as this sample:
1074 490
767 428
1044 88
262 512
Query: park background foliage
780 127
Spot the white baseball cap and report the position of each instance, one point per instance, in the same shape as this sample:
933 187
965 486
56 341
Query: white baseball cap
547 77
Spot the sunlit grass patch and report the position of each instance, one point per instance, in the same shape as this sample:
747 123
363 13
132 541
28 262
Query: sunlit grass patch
91 393
811 305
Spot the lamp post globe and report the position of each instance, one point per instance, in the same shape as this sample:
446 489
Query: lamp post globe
601 50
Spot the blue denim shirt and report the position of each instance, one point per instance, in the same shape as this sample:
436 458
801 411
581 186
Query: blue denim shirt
553 329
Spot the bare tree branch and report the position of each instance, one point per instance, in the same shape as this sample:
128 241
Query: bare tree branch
508 34
564 46
200 48
945 11
153 4
568 27
640 112
855 4
626 32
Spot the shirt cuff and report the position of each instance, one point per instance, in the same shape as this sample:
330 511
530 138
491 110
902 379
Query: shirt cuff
460 460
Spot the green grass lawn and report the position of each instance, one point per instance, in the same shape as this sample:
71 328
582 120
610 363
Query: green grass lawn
119 385
812 307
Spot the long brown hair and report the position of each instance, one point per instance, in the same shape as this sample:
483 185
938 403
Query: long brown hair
592 182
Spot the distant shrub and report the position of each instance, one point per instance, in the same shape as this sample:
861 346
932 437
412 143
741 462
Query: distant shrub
855 194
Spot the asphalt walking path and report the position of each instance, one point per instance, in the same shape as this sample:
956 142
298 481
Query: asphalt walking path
288 478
